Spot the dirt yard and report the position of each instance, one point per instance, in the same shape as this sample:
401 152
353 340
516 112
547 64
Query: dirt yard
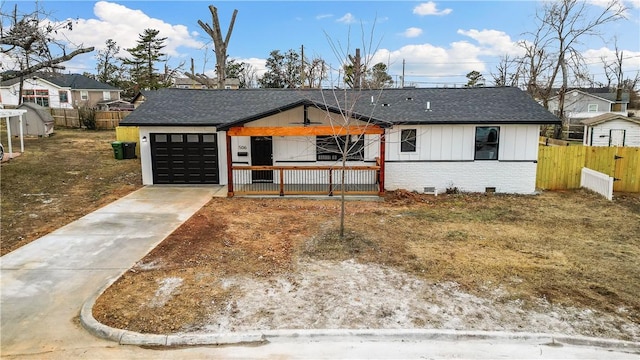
59 179
565 262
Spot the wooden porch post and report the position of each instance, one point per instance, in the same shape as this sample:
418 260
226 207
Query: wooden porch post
382 160
229 167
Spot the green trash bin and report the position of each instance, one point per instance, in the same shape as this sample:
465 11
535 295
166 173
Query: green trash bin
118 151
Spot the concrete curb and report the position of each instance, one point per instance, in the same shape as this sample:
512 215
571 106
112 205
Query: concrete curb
126 337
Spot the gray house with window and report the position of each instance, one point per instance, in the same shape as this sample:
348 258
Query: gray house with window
52 90
275 141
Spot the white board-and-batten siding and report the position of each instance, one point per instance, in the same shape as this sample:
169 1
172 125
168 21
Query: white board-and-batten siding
598 135
444 158
298 150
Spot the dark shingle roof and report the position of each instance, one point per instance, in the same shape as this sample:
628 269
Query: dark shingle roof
73 81
223 108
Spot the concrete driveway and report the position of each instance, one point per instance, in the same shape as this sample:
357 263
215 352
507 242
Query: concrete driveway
45 283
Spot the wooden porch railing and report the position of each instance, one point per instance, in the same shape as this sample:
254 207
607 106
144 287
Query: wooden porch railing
306 180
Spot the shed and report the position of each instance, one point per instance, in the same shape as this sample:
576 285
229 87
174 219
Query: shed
37 121
612 130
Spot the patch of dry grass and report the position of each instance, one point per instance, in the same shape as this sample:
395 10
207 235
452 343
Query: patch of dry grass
570 248
57 180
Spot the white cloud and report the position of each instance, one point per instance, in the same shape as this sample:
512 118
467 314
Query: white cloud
433 64
412 32
122 24
430 8
493 42
323 16
594 60
348 18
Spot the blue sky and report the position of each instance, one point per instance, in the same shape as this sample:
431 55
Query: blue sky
440 41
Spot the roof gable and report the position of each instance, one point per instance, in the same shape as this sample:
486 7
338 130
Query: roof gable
600 119
606 96
223 108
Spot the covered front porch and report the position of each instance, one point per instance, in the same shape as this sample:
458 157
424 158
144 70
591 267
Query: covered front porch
310 177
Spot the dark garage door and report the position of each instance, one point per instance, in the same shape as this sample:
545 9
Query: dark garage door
184 158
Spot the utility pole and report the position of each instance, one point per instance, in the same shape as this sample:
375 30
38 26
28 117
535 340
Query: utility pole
302 66
402 74
357 69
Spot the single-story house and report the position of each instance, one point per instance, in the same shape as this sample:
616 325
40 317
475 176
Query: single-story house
587 103
53 90
612 130
284 141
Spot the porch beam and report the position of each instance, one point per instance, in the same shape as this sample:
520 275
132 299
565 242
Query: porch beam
305 131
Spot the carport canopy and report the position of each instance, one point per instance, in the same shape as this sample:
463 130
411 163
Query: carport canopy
8 114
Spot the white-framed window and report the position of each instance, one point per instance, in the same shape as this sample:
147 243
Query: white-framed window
106 95
84 95
487 140
64 96
592 108
38 96
408 140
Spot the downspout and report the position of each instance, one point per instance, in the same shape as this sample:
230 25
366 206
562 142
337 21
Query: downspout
229 167
382 161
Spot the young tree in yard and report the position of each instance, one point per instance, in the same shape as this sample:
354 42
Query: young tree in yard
144 56
350 146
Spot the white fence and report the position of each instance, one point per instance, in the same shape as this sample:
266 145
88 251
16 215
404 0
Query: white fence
598 182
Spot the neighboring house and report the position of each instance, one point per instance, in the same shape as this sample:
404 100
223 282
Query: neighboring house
58 91
587 103
419 139
612 130
187 83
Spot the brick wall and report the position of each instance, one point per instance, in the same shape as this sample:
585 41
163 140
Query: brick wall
471 176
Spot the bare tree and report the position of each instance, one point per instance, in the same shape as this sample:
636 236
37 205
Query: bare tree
219 44
562 25
508 72
29 42
315 71
346 100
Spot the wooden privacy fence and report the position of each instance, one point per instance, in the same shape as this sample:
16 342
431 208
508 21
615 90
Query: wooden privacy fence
66 117
110 119
105 120
559 167
129 134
